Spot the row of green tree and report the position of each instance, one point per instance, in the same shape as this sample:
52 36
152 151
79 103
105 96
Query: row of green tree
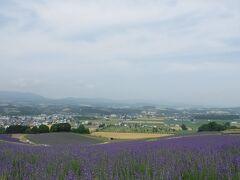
213 126
60 127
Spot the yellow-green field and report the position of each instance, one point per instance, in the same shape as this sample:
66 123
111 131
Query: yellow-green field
128 136
231 131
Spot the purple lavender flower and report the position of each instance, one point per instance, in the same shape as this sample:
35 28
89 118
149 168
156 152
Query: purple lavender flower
198 157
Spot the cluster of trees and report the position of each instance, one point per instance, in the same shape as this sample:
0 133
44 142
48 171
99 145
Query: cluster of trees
213 126
81 129
184 127
2 130
60 127
25 129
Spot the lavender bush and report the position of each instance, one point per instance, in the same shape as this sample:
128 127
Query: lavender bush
199 157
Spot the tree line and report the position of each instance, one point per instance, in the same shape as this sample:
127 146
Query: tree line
213 126
60 127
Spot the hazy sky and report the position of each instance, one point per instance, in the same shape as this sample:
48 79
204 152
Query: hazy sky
165 50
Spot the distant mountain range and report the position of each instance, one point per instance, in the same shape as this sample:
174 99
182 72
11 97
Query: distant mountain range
23 98
10 97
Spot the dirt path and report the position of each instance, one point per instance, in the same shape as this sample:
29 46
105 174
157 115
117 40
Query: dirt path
22 138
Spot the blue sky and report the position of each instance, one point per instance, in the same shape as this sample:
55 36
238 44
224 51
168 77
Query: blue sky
162 50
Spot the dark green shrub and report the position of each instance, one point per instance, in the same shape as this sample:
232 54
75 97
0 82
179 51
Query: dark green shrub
184 127
212 126
28 131
43 129
81 130
34 130
2 130
16 129
61 127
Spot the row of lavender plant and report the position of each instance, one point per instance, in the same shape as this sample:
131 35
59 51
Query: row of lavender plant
201 157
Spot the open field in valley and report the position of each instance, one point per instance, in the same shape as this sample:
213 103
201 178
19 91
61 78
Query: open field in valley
232 131
130 136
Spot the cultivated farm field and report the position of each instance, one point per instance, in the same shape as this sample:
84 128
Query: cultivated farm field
128 136
195 157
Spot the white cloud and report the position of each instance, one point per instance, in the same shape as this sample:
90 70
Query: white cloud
102 41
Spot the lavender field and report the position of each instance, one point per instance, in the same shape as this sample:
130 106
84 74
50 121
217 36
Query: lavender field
197 157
